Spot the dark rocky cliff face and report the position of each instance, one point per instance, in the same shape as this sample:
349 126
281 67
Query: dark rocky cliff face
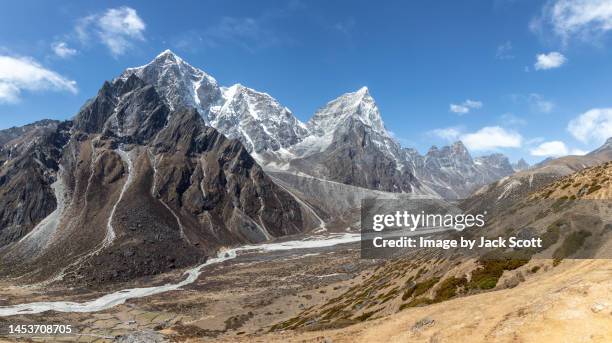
28 160
135 187
353 158
128 109
204 173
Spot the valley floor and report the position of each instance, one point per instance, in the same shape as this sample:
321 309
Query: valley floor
239 300
233 298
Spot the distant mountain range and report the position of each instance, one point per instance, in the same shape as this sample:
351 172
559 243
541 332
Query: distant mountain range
345 140
164 166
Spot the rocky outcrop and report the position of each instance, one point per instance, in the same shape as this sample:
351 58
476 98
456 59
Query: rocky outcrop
129 109
28 162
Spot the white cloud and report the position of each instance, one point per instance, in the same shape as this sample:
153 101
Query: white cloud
555 149
583 19
459 109
592 126
579 152
465 106
62 50
117 28
549 61
449 133
9 93
552 149
491 138
21 73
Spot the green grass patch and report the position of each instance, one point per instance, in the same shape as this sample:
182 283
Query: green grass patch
593 188
419 288
366 316
424 286
448 288
488 274
416 303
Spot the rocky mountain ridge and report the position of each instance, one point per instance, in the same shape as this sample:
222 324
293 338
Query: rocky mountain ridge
453 173
514 187
348 129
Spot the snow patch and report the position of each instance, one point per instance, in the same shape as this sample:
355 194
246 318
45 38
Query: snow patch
110 231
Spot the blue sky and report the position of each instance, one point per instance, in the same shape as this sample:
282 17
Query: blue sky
527 78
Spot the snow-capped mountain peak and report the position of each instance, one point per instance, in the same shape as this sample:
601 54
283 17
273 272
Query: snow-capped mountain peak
356 105
256 117
179 83
260 104
351 114
169 54
258 120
